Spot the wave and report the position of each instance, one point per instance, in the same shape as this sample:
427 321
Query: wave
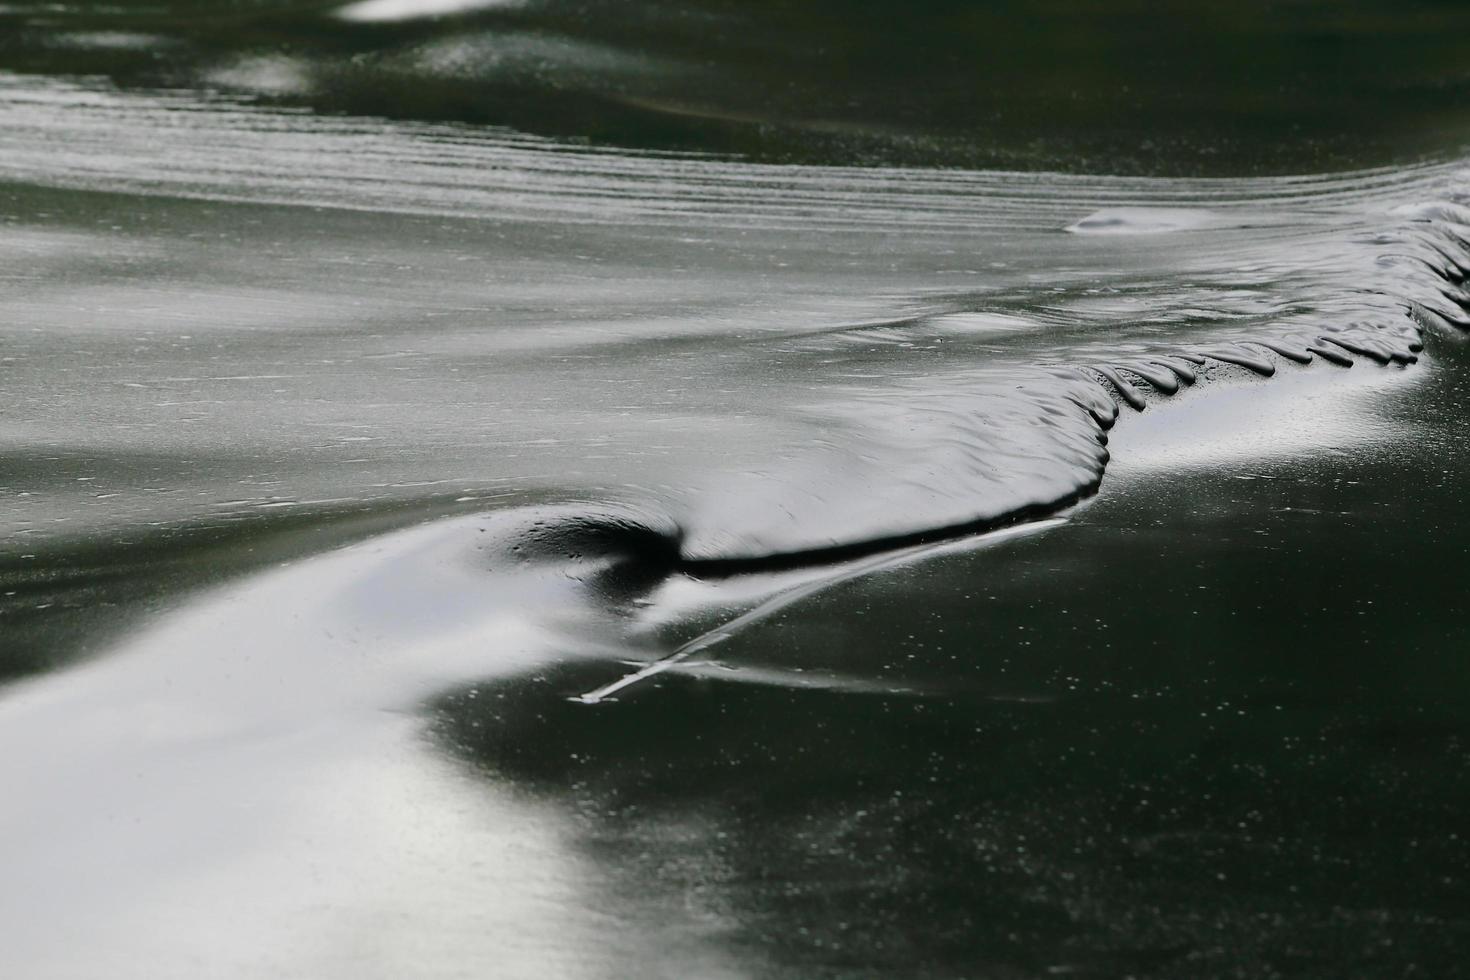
88 134
1139 87
971 409
828 372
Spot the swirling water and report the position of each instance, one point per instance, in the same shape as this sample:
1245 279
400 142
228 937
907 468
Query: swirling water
435 545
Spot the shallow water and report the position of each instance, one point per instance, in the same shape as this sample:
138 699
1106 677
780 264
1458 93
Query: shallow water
444 536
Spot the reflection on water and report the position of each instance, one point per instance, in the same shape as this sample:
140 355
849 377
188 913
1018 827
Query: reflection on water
1127 87
1259 770
460 519
368 11
575 327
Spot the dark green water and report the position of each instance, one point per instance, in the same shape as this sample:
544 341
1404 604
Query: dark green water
522 489
1213 726
1131 87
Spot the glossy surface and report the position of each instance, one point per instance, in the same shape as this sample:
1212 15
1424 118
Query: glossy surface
459 520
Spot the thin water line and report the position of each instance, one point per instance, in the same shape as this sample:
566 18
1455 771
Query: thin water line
795 594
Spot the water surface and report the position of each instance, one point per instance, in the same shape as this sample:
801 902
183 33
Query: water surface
708 490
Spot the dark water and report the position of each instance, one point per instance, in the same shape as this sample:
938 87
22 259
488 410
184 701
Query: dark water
1125 87
538 489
